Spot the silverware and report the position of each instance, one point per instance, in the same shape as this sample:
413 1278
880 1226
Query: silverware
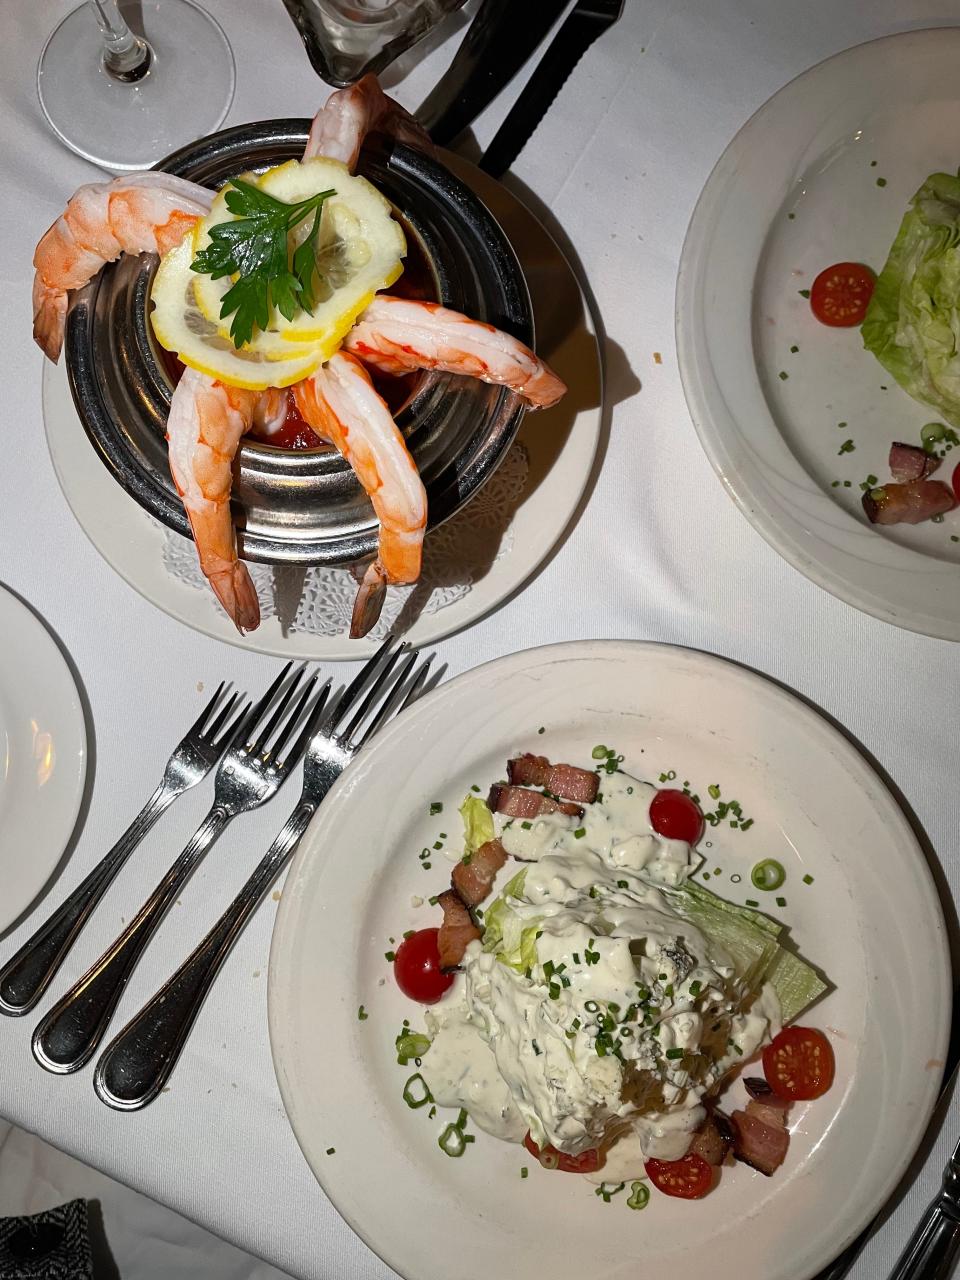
26 975
137 1063
932 1249
501 38
249 774
588 19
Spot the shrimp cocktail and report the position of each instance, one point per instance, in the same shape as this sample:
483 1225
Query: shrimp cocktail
271 301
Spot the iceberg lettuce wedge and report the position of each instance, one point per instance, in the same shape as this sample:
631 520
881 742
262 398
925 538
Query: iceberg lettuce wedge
912 324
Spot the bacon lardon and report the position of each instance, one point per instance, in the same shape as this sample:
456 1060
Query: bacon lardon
518 802
910 503
564 780
457 930
910 462
473 877
760 1137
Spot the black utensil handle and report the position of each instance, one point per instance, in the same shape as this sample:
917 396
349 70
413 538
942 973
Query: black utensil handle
499 41
932 1249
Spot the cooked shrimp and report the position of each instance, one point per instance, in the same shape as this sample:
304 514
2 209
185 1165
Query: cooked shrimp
206 423
339 401
343 122
396 336
145 213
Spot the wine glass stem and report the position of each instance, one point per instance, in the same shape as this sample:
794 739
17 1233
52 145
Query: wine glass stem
125 56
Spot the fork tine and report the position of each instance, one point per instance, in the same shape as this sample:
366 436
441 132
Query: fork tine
387 702
197 726
417 687
234 729
292 721
372 694
342 704
221 717
256 712
277 716
310 728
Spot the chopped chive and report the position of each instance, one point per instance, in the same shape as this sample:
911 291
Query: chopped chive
751 902
474 787
579 833
804 293
808 879
674 1054
362 1014
331 1151
390 955
526 825
783 375
438 844
622 884
524 1171
425 865
881 182
794 350
435 808
598 753
781 902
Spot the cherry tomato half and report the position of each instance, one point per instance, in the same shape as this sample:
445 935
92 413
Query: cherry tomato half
689 1178
416 967
955 481
840 294
799 1064
676 816
551 1158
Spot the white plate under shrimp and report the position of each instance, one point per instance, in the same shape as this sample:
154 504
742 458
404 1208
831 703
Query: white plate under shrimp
43 756
560 444
817 807
822 173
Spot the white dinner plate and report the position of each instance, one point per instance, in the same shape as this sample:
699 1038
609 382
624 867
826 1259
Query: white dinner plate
43 757
822 173
817 808
560 443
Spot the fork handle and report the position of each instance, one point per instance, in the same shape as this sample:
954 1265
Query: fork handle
65 1039
27 974
137 1063
932 1250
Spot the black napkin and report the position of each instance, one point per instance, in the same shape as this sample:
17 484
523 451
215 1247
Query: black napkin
47 1246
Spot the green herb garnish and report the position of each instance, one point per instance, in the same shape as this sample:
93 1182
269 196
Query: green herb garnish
254 247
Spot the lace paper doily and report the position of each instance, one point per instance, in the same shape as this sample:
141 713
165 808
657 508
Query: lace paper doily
319 600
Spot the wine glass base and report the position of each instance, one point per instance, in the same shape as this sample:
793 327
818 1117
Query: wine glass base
185 94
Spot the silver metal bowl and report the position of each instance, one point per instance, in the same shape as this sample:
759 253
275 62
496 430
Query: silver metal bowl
306 507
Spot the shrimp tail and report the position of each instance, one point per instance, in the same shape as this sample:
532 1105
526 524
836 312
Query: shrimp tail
49 318
234 588
369 602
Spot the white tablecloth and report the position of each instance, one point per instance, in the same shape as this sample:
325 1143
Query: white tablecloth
660 553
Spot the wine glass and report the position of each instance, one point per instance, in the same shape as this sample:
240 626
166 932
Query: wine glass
125 98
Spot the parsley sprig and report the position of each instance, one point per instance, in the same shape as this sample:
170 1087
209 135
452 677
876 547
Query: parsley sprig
254 247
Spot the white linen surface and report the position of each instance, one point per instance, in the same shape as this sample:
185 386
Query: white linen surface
659 552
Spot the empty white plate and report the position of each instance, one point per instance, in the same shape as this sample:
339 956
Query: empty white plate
43 756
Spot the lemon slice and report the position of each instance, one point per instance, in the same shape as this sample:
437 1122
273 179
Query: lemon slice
181 326
360 247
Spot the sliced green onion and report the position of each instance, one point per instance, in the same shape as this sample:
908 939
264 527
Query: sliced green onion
768 875
598 753
639 1196
452 1141
415 1092
931 433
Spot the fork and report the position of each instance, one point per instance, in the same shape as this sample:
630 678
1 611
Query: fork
27 974
137 1063
248 775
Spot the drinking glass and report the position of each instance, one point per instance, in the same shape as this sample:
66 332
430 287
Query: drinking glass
125 84
345 39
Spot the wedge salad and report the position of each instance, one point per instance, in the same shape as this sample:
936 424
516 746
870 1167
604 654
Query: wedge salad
590 1000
